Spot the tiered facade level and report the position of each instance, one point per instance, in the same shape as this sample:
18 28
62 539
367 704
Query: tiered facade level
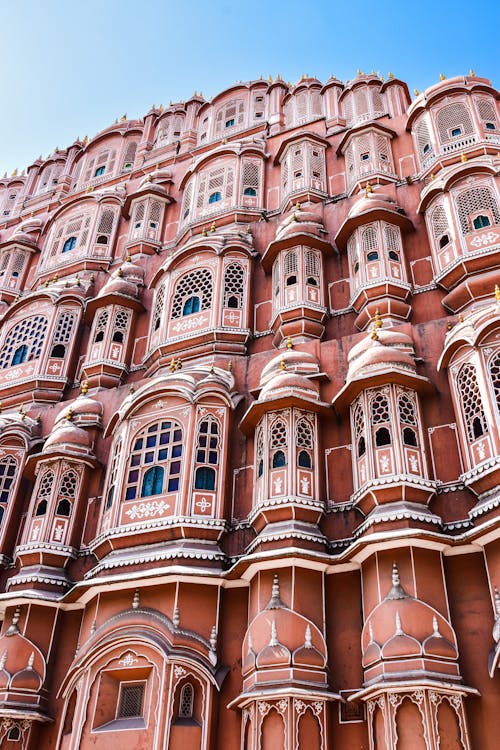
250 425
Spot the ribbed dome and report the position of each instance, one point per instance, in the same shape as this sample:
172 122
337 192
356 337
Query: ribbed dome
26 679
293 360
301 221
371 201
389 349
125 281
285 383
67 436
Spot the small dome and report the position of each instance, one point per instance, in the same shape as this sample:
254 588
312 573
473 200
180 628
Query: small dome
26 679
273 656
294 360
371 201
67 436
301 222
437 645
286 383
125 281
388 350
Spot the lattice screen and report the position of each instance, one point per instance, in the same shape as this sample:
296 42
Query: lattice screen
471 402
29 332
473 201
278 434
379 409
406 410
64 327
453 116
197 283
487 111
234 283
304 434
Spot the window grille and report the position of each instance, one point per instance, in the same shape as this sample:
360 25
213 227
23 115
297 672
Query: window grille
197 283
208 442
251 176
423 138
315 104
44 492
64 327
276 278
439 222
29 332
160 446
100 325
121 324
291 263
163 132
383 148
379 409
105 158
348 109
186 200
8 470
278 434
12 265
186 701
472 406
377 102
304 434
158 308
392 236
361 102
113 475
105 226
129 156
494 370
312 265
369 239
75 225
234 285
473 201
131 699
358 420
67 493
487 112
9 203
259 451
232 112
406 409
453 116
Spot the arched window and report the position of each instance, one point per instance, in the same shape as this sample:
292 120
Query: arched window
158 308
58 351
234 285
369 243
481 221
278 442
186 701
207 454
44 492
304 460
215 197
230 115
380 415
250 191
470 399
121 322
439 225
196 285
204 478
291 267
191 305
29 333
452 121
259 451
100 326
67 493
69 244
358 420
157 446
312 265
304 443
423 138
477 203
152 481
8 471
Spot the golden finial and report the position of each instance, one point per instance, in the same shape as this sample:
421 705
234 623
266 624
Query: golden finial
77 280
204 232
460 318
416 92
378 320
119 272
374 335
212 370
282 364
178 364
195 94
472 73
358 72
86 139
85 387
382 78
132 389
270 79
46 283
369 189
229 367
497 293
294 216
391 75
123 118
89 189
289 343
92 278
449 326
278 77
433 176
212 227
172 365
69 415
160 108
297 206
1 406
442 77
21 410
56 278
128 259
463 158
149 178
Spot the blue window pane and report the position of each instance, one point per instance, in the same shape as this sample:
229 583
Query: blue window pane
138 444
166 425
202 441
163 454
250 191
149 457
131 493
279 459
215 197
136 460
200 456
177 436
230 123
99 171
173 484
191 305
212 457
70 244
205 478
165 438
176 451
153 428
304 460
152 483
151 441
133 476
175 467
20 355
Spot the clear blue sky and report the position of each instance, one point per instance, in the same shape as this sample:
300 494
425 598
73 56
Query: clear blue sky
69 68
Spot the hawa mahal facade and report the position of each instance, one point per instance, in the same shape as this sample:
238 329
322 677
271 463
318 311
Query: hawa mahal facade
250 425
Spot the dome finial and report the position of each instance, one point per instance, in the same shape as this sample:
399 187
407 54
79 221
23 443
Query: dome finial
275 600
212 226
289 342
416 92
369 189
399 631
31 660
472 73
435 627
213 639
396 590
13 629
172 365
282 364
463 158
497 293
297 206
136 600
442 77
395 574
85 387
176 618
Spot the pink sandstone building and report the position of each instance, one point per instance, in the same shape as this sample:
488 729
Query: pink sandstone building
250 425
